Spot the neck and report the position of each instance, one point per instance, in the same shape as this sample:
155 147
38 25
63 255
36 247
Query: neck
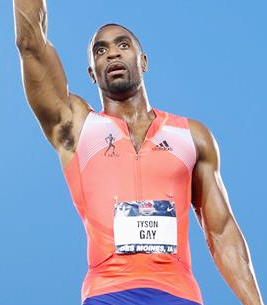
131 108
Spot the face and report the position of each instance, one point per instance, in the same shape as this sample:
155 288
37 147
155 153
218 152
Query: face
117 63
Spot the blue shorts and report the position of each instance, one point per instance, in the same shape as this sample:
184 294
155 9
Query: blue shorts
138 296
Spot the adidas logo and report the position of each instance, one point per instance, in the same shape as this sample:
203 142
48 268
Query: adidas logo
162 146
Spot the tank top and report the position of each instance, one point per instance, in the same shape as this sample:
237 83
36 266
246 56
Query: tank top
135 206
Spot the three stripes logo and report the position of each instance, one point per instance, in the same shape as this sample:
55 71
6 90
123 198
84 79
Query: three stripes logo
162 146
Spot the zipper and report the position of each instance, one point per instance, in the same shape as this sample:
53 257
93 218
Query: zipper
138 187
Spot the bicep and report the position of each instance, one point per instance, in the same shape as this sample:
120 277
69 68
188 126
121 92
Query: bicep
210 199
223 235
209 196
45 85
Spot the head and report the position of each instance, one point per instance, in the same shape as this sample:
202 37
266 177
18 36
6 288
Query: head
116 60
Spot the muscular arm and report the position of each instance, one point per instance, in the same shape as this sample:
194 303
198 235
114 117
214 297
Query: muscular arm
60 113
225 240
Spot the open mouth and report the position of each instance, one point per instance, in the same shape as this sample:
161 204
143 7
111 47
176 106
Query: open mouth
116 68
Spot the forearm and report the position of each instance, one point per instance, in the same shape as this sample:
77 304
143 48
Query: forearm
232 258
30 23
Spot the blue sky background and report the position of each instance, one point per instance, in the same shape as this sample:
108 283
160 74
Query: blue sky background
207 61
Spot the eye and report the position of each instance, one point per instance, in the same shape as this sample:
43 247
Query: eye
124 45
101 51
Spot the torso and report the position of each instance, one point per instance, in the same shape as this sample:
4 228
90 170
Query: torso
101 178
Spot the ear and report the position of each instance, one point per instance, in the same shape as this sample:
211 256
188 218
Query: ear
144 62
92 75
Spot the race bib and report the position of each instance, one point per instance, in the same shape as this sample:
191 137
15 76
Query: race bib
148 226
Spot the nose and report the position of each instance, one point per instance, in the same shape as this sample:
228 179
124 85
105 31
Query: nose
113 53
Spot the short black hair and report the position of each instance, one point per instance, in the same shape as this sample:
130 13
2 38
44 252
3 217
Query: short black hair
113 24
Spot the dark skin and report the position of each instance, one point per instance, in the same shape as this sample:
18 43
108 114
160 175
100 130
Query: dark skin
117 62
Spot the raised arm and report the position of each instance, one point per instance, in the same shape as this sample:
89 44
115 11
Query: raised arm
60 113
225 240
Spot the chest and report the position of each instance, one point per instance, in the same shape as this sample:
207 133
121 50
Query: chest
138 132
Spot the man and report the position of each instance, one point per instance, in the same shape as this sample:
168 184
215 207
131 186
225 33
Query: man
132 172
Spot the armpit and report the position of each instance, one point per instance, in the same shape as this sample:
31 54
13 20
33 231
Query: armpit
65 136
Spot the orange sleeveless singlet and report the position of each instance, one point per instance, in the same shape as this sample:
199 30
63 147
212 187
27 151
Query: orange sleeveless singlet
135 206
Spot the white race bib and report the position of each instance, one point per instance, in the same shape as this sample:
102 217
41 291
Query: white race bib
147 226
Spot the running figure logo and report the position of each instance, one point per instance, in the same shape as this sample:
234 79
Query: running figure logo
110 139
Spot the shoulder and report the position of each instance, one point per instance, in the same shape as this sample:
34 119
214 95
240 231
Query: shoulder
174 119
79 104
204 140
